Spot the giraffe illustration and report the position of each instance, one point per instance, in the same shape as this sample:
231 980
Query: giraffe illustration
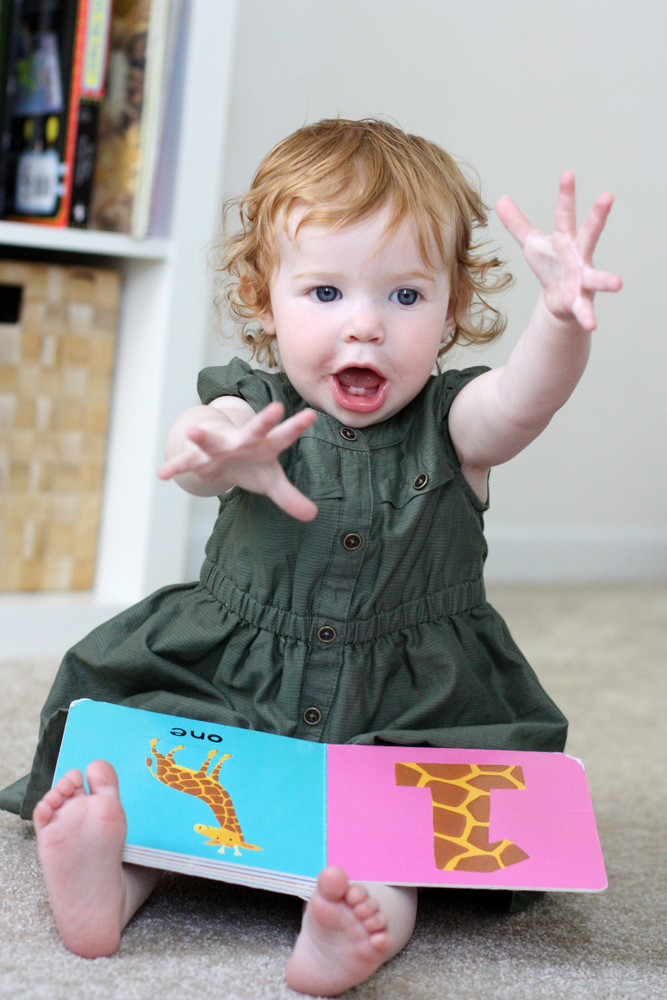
461 797
206 787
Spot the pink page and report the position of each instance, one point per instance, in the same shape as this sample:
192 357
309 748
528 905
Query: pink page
536 831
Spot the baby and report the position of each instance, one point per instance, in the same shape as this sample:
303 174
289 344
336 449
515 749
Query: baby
341 599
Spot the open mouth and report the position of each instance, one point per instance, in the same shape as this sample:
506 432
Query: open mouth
360 389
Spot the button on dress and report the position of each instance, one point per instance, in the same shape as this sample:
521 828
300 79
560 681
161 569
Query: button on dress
369 624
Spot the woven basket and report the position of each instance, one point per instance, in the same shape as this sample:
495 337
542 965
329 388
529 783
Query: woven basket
57 336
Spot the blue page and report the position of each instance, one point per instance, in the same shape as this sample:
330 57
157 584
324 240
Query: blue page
276 786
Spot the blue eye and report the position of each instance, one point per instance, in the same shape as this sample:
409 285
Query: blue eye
326 293
406 296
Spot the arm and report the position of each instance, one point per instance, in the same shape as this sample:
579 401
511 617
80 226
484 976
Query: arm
210 449
496 415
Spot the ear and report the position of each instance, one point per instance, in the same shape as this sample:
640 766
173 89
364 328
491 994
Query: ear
248 298
267 323
450 321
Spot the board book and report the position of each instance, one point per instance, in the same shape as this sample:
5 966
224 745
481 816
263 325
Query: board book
271 811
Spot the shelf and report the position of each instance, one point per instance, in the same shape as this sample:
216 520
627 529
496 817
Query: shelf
82 241
165 321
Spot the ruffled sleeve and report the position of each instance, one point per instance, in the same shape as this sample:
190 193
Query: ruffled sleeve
256 387
449 385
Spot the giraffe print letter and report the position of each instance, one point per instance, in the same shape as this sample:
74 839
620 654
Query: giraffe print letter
461 797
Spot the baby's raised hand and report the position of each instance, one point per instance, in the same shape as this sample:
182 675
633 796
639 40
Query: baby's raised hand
247 456
563 261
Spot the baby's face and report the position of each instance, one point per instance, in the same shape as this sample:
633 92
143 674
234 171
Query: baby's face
359 317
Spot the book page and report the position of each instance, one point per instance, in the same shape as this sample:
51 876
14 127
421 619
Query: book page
207 791
466 818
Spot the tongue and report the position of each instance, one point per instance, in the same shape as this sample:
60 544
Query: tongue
359 378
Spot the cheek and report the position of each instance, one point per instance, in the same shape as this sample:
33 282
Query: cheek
423 349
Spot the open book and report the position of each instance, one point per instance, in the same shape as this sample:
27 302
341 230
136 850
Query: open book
270 811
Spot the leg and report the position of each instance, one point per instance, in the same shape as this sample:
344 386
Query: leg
347 933
80 840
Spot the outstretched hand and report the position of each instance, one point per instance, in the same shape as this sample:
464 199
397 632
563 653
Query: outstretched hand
563 261
247 456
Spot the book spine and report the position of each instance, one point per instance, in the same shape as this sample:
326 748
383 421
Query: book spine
118 150
62 217
92 89
43 139
156 87
10 23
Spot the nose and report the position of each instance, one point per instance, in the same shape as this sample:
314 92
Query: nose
363 323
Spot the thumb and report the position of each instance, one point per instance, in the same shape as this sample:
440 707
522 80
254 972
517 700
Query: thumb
286 496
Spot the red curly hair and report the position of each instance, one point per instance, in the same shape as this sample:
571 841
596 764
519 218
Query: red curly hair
337 172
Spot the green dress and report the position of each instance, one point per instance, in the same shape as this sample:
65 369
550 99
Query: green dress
367 625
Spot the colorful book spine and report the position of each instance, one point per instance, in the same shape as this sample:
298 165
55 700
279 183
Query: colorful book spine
92 90
44 83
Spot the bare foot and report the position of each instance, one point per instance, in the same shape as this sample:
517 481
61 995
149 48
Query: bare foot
80 840
343 939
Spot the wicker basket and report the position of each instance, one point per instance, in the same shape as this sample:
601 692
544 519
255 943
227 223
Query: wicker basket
57 336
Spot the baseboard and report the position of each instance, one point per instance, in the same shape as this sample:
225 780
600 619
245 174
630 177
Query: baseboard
575 553
47 624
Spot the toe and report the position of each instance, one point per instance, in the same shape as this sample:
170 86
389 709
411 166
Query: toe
356 895
381 942
102 778
376 923
366 908
67 787
332 883
70 784
42 814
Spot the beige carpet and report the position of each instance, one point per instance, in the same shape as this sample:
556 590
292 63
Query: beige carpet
601 654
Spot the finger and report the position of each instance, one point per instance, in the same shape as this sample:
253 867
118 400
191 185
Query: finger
287 432
584 314
601 281
210 443
566 212
259 426
286 496
167 470
268 429
514 221
185 462
593 224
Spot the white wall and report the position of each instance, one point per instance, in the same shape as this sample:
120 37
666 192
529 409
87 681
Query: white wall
521 89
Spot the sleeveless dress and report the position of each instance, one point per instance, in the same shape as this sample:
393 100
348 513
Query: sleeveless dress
367 625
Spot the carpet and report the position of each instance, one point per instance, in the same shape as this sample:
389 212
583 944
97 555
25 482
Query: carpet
600 652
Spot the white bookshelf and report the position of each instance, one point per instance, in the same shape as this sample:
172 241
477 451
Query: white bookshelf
165 320
81 242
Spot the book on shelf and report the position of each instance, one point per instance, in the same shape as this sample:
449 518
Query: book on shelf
92 86
45 53
144 39
8 36
270 811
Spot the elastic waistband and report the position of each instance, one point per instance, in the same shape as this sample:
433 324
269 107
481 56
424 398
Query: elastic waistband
440 604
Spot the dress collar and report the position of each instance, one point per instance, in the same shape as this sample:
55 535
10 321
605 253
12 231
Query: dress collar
384 434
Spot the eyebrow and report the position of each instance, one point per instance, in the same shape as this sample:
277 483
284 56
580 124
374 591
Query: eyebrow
331 277
415 276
